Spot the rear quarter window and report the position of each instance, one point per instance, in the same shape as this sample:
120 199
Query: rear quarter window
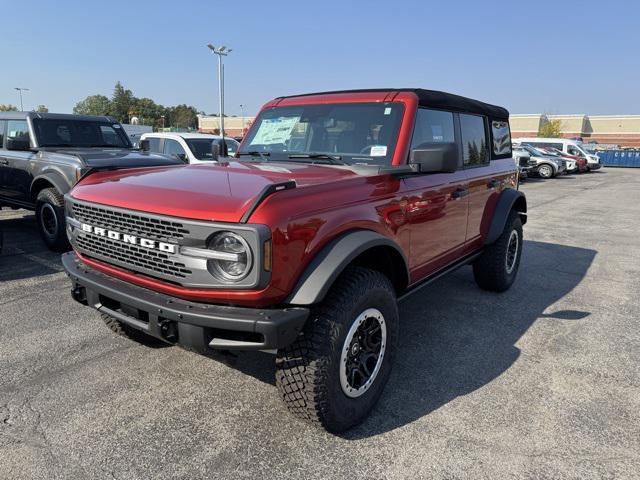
501 138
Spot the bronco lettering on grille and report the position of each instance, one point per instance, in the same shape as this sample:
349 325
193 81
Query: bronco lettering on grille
132 239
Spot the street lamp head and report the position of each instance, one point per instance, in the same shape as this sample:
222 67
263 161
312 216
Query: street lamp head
222 48
211 47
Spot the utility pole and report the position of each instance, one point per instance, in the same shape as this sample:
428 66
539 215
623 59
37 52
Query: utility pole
20 89
242 115
222 51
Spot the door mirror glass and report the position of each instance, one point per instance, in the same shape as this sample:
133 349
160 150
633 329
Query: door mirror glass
216 149
145 145
435 157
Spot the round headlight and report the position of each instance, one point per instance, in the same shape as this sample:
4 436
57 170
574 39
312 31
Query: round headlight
237 263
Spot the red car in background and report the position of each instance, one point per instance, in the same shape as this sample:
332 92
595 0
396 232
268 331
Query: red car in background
581 162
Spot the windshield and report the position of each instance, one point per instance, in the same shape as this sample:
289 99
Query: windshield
354 133
201 147
79 133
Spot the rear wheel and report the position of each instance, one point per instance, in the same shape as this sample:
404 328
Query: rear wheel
51 219
336 370
497 267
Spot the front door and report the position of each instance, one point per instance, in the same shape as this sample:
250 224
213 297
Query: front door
17 175
435 205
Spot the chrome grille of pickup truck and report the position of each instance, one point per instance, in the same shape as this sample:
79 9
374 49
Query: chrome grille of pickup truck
131 223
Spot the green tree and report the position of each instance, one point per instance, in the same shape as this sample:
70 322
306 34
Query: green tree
41 109
93 105
551 129
148 111
8 108
122 103
183 116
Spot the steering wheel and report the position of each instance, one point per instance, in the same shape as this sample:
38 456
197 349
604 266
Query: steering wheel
368 147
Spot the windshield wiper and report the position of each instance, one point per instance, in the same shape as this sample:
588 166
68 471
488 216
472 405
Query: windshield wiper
335 159
256 153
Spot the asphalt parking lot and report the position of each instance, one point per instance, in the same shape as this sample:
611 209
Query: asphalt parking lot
539 382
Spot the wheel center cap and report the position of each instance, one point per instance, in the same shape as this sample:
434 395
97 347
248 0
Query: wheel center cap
355 349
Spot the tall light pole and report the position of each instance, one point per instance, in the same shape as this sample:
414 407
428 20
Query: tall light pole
20 89
242 115
221 52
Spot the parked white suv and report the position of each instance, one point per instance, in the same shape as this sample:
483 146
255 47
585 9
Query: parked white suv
188 147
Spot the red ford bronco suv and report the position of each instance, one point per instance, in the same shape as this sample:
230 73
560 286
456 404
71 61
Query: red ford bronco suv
335 206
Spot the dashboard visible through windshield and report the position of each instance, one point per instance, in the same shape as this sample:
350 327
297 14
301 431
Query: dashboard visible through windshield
354 133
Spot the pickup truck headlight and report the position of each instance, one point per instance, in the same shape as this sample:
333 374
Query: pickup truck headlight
234 257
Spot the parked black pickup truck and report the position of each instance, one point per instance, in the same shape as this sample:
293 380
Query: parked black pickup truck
42 155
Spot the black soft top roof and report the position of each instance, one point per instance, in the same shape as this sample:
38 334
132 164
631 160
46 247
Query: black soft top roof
436 99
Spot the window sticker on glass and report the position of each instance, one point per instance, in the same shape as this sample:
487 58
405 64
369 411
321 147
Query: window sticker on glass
437 133
275 130
378 151
387 111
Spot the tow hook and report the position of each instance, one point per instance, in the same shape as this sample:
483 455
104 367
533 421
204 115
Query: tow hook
79 294
169 331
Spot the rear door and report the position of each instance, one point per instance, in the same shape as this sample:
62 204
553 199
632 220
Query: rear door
482 140
435 205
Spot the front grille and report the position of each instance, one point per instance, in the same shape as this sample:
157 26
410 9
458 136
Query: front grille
130 223
132 256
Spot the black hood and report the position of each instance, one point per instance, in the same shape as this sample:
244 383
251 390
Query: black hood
120 158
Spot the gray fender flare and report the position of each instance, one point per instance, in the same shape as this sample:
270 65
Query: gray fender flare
510 199
55 179
330 262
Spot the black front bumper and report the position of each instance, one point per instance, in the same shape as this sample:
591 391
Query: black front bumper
196 326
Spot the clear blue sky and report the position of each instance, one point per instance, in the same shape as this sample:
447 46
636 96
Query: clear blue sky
535 56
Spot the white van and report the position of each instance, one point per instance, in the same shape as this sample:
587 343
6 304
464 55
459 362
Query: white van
570 147
188 147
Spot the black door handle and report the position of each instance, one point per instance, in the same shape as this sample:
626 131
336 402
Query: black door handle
493 183
460 192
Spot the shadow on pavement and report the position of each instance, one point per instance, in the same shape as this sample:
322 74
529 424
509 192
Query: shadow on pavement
24 254
456 338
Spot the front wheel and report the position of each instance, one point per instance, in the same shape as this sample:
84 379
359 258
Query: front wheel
336 370
545 171
51 219
497 267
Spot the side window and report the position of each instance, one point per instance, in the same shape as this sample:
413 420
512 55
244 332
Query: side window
432 126
232 146
154 144
17 129
172 147
3 124
571 150
501 137
474 140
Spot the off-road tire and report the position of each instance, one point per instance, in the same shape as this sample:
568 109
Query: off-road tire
50 210
307 372
123 330
545 171
490 269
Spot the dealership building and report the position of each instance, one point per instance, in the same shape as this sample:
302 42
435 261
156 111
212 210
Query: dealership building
623 130
233 126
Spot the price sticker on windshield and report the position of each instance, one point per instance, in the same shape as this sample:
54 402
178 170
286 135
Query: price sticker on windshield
378 151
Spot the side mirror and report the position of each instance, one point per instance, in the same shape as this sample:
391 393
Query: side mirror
182 156
145 145
218 149
21 144
435 157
